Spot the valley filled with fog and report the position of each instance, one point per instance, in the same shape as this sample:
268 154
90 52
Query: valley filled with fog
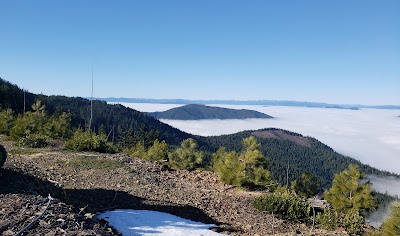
369 135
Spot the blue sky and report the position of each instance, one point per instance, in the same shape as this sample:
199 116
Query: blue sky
322 51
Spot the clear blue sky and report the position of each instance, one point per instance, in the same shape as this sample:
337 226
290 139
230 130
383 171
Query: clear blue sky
323 51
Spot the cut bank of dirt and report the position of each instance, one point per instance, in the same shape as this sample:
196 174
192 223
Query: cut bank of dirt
86 185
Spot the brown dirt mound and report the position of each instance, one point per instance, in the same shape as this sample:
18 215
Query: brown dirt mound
280 134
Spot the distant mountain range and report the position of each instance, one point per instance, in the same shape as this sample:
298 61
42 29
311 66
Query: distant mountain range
200 112
249 102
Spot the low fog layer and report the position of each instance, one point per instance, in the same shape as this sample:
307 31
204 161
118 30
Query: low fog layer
377 217
369 135
388 185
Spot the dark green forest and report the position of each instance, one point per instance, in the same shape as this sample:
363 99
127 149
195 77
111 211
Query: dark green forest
319 159
199 112
126 127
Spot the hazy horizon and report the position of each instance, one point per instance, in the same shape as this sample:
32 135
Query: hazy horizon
206 101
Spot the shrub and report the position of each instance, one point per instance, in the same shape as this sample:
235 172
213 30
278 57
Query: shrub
86 141
284 204
352 221
34 141
137 151
329 219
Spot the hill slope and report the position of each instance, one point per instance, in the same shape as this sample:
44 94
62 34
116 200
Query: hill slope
127 126
200 112
301 153
131 184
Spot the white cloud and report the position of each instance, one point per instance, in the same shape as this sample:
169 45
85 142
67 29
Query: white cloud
389 185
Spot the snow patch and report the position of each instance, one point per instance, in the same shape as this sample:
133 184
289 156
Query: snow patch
146 223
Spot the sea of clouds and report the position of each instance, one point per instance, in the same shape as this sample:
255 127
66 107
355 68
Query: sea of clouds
369 135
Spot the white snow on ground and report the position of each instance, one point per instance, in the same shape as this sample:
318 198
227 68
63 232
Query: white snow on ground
142 222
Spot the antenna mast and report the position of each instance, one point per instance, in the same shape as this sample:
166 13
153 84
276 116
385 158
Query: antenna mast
24 101
91 105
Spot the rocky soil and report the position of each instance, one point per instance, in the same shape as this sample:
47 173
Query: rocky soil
82 185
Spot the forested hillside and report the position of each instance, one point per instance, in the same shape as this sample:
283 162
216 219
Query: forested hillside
12 97
302 154
125 127
200 112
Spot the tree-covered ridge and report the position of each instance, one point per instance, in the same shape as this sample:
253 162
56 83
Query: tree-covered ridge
126 126
317 158
200 112
12 97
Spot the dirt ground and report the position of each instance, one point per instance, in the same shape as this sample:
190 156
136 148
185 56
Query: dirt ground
83 184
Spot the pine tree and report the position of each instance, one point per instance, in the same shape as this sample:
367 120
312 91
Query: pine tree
306 186
7 120
255 165
228 166
137 151
186 156
157 152
391 226
38 107
248 168
348 194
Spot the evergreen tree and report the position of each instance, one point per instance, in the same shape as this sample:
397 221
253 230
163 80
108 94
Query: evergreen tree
248 168
37 107
255 165
306 186
228 166
186 156
348 194
37 129
159 151
7 120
